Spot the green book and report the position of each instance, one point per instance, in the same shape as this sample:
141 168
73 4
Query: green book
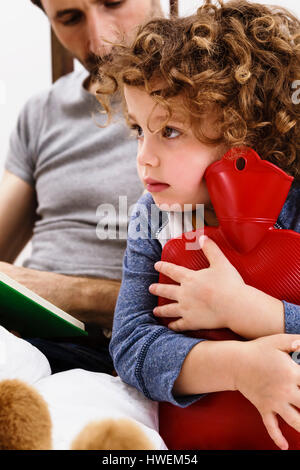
27 313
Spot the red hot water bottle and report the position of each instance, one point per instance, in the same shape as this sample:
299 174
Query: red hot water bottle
247 194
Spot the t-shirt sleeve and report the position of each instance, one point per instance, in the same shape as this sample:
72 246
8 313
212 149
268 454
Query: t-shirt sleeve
23 144
146 355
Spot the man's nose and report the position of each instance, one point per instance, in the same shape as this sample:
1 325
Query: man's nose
97 29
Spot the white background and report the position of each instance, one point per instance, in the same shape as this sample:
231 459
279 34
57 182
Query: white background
25 56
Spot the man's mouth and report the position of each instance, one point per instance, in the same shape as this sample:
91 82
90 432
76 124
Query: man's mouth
93 63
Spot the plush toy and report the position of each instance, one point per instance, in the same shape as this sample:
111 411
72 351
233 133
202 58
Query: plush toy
25 424
71 410
109 434
247 194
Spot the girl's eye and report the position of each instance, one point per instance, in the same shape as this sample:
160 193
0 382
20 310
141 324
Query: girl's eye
137 131
170 133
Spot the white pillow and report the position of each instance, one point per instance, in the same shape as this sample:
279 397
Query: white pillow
20 360
78 397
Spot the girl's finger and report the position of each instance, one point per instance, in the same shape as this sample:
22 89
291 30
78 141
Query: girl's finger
173 271
271 424
177 325
170 310
291 416
286 342
168 291
212 252
295 398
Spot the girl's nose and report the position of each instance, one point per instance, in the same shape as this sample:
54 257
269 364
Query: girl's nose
147 155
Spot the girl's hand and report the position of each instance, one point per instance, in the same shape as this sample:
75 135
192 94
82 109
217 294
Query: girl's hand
268 377
217 297
205 298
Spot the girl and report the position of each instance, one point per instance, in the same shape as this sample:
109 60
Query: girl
193 88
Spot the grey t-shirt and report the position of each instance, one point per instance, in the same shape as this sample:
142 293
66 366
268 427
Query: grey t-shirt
75 167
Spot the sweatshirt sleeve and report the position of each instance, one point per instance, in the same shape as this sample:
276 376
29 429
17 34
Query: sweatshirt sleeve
292 318
146 355
290 219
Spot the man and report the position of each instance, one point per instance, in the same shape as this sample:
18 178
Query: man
60 167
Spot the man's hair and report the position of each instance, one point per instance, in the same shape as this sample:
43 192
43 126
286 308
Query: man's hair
37 3
240 59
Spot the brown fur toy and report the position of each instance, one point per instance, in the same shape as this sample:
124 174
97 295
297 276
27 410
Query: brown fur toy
25 424
110 434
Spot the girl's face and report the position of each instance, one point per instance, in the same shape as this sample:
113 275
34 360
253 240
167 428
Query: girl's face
171 163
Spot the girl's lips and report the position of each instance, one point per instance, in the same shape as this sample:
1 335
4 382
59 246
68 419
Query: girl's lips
156 187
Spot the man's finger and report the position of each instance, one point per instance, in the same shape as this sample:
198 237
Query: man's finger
173 271
168 291
169 310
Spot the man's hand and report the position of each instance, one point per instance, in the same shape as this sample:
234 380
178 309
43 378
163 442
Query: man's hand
88 299
216 297
42 283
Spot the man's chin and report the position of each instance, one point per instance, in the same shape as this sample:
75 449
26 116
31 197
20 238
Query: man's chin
92 68
93 63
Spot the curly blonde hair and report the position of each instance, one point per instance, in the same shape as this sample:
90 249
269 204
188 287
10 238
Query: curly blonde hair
241 57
